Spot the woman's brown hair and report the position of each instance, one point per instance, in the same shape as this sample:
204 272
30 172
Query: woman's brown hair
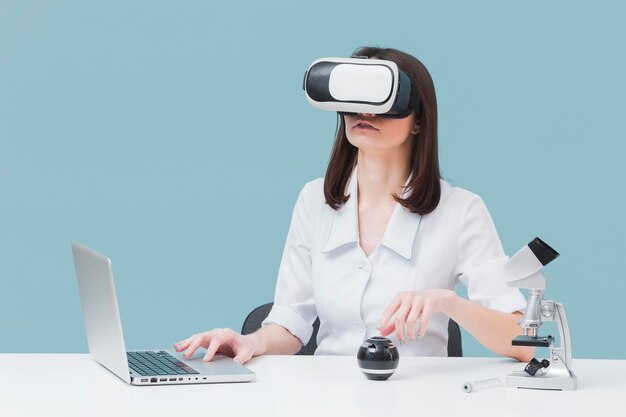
424 189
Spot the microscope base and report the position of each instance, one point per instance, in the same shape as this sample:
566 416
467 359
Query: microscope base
545 382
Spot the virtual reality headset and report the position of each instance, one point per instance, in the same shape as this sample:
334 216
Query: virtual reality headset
360 85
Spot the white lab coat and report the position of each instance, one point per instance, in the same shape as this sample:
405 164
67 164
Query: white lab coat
324 272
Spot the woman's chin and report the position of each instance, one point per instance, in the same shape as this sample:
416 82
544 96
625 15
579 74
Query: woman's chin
370 143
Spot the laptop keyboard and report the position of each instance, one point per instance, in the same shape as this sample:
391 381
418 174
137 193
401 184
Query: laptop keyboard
157 363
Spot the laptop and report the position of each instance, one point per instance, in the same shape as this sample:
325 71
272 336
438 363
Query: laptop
106 340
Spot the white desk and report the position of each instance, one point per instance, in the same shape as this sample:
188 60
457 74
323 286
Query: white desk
75 385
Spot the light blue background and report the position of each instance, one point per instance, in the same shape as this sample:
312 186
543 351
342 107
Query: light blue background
174 137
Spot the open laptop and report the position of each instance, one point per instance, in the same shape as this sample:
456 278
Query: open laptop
106 340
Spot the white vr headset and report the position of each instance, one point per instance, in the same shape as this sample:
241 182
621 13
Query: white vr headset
360 85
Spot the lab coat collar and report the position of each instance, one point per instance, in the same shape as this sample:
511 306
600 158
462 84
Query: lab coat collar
345 228
401 230
399 234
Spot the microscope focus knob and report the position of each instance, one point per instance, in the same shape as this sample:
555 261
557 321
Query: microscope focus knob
547 309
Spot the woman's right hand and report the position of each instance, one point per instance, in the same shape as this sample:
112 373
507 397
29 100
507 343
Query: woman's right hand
227 341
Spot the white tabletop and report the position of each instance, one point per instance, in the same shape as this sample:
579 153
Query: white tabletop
75 385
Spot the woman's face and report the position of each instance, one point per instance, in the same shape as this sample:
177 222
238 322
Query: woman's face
369 131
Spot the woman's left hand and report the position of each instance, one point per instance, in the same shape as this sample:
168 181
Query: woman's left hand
411 306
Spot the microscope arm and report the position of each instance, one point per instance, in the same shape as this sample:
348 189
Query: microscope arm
553 311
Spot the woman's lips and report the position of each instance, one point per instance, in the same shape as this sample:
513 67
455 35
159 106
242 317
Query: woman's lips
364 125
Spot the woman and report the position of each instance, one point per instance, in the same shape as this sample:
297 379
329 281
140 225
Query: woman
379 245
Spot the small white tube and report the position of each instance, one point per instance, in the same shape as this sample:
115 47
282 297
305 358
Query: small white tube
472 386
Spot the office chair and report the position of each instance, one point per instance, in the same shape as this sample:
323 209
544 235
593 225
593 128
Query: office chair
256 317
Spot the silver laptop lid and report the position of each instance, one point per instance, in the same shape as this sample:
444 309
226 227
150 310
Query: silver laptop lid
100 311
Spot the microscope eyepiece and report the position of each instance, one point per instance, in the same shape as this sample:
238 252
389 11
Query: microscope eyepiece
544 253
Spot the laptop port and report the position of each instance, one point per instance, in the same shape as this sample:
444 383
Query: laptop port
153 380
172 379
144 379
162 379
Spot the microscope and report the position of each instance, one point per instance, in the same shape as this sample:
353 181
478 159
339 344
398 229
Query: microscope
523 270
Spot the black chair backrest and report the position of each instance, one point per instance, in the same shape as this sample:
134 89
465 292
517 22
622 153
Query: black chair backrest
256 317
